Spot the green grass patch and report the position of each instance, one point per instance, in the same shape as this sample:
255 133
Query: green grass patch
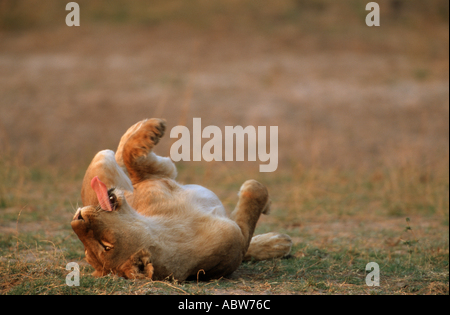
339 223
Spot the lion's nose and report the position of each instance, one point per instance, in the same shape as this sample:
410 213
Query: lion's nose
78 215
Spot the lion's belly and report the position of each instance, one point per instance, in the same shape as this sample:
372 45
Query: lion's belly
163 197
205 200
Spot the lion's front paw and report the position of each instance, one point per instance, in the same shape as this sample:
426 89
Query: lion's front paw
149 133
142 141
146 132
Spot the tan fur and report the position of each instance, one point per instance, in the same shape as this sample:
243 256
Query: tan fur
269 245
160 228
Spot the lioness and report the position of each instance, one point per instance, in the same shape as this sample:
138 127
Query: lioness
138 222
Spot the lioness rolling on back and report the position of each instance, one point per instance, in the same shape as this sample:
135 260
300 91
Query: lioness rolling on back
138 222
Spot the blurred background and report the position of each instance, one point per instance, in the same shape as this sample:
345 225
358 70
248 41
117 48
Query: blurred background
344 95
362 114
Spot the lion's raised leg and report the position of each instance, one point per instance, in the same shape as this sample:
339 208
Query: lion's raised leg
253 200
124 139
135 152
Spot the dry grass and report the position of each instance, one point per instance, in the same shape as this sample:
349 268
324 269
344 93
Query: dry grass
363 133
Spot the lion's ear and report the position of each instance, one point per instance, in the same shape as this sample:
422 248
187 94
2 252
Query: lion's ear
137 266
